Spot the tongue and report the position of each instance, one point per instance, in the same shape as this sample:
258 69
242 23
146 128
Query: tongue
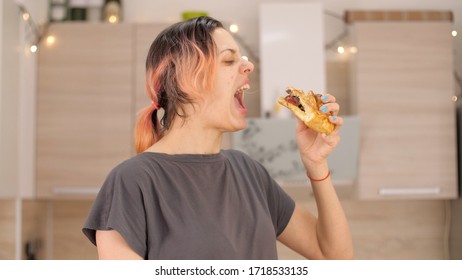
238 101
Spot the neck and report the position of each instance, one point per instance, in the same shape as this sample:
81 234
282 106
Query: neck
189 138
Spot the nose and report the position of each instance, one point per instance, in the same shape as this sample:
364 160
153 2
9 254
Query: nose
246 66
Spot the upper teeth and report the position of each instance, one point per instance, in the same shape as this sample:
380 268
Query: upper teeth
243 88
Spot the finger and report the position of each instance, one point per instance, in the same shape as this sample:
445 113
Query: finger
301 127
327 98
331 139
332 108
338 121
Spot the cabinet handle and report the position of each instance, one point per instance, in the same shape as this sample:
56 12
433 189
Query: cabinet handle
75 190
409 191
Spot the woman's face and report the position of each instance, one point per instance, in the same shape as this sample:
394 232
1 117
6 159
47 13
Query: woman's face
223 108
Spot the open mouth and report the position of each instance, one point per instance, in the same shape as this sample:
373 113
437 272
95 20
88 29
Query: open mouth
239 96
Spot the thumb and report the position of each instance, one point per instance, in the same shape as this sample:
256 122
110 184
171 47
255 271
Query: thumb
300 126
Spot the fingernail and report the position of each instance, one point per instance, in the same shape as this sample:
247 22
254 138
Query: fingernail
324 109
334 118
324 98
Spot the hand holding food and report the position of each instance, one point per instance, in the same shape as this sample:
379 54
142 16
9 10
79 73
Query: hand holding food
305 106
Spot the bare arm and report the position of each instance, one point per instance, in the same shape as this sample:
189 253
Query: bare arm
112 246
325 237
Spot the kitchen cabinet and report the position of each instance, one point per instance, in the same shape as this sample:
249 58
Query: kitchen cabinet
402 88
84 106
90 86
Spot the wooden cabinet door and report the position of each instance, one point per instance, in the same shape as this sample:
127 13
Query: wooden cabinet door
403 85
85 106
145 33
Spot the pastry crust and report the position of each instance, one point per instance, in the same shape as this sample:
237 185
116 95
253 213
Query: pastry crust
305 106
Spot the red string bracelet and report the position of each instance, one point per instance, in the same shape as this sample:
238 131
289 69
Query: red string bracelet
318 180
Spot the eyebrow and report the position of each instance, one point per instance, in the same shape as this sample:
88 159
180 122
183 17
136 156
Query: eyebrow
231 50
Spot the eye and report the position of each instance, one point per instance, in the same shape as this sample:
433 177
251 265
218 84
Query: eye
231 59
230 62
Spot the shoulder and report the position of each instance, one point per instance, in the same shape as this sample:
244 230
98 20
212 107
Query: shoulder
128 166
244 162
239 157
236 155
130 171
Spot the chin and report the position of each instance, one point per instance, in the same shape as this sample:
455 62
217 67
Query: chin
236 126
242 125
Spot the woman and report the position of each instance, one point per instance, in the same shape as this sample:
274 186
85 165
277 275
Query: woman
182 197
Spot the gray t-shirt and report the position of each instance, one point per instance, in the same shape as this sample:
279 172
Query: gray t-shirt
216 206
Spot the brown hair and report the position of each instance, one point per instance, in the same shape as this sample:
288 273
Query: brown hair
179 65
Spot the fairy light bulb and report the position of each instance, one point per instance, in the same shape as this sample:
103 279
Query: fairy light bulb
234 28
454 33
33 48
25 16
112 19
340 49
51 40
112 11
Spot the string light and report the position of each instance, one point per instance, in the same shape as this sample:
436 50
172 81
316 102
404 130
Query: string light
113 19
51 40
33 48
343 50
454 33
34 33
25 16
234 28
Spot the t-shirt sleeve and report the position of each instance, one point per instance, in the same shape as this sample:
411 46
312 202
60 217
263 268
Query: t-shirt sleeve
281 206
119 206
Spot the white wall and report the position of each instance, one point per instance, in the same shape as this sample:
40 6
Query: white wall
1 102
285 55
1 70
17 99
9 84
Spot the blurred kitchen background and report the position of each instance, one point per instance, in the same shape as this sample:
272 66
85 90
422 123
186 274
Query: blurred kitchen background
72 80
